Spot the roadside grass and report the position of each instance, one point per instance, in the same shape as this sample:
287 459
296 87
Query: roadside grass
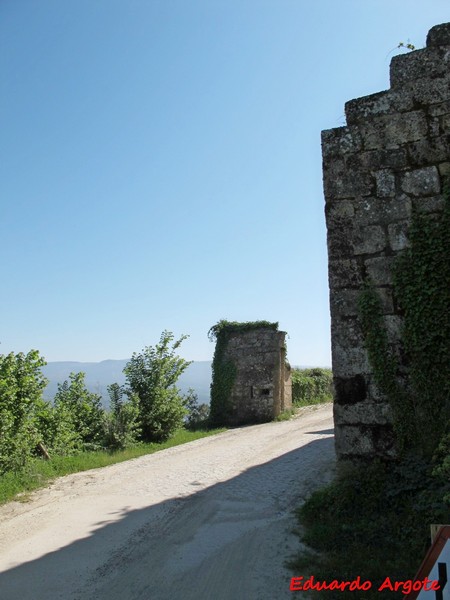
286 415
324 399
39 473
295 410
373 522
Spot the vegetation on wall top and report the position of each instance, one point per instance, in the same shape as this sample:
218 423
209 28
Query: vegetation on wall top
227 327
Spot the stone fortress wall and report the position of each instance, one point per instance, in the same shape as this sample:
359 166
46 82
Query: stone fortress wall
391 156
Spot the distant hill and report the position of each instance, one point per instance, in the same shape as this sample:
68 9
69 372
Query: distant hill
101 374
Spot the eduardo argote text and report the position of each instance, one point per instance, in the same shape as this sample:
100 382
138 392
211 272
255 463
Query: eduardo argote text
405 587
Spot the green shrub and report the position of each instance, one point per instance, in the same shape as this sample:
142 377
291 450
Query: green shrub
21 386
151 375
122 422
197 417
286 415
79 411
311 386
56 429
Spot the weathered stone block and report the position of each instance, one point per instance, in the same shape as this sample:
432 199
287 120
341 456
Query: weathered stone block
372 160
369 239
393 327
350 442
444 169
344 273
438 110
339 141
348 362
432 204
422 182
361 162
380 269
372 210
398 235
439 35
339 239
428 92
375 105
363 413
356 442
385 183
434 126
433 62
344 303
394 158
336 211
340 182
391 131
428 150
348 331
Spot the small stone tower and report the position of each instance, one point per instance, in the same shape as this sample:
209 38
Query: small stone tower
251 379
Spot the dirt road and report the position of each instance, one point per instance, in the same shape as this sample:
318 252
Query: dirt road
210 520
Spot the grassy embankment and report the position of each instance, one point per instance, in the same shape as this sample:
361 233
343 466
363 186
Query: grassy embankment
39 473
373 522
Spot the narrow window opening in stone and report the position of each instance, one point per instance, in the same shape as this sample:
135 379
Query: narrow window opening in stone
265 392
252 393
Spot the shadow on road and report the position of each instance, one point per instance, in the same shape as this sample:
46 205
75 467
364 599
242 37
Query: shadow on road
219 543
323 432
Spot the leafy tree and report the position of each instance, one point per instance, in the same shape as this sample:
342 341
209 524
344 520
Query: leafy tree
76 405
56 428
198 414
123 419
152 376
21 387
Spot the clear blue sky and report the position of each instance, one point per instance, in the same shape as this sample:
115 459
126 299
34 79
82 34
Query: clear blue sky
161 166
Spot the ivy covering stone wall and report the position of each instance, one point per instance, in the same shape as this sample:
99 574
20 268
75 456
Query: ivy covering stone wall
390 161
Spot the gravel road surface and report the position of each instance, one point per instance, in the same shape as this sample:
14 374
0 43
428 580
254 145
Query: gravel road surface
209 520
